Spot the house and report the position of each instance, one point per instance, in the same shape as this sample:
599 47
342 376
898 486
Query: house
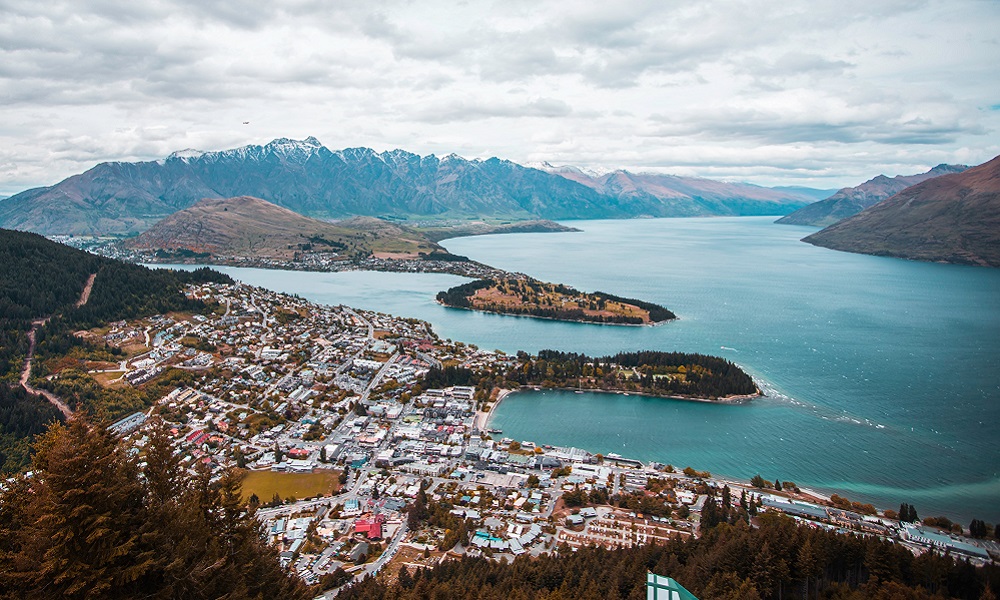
358 551
371 527
574 521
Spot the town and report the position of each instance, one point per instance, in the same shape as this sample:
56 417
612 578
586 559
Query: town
331 262
361 458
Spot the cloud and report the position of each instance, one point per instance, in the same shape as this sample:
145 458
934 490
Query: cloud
472 110
832 89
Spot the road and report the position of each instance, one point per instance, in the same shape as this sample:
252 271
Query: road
372 568
371 328
26 373
378 377
371 336
390 551
26 370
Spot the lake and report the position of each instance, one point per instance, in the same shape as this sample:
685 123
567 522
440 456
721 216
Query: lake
882 375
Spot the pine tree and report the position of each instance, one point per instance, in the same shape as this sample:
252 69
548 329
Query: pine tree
91 524
89 506
808 563
405 580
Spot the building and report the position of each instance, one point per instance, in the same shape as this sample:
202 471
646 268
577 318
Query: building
371 527
128 424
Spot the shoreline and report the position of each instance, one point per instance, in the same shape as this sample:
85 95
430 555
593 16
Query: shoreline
803 494
345 266
731 399
488 415
527 316
735 399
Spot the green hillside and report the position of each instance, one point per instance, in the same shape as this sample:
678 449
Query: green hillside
41 279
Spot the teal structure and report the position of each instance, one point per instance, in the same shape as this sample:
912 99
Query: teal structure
659 587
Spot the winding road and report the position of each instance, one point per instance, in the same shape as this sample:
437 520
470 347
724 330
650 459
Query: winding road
26 371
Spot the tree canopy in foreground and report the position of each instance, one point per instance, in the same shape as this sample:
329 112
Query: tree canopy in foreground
94 521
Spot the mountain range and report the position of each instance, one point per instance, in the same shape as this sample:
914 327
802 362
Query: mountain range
850 201
685 196
306 177
953 218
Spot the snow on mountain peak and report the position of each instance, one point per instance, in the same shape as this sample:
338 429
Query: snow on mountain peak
187 153
296 150
560 169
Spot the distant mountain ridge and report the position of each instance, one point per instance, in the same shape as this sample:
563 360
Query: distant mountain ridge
850 201
308 178
953 218
685 196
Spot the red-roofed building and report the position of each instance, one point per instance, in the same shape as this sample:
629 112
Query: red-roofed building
371 527
196 437
298 453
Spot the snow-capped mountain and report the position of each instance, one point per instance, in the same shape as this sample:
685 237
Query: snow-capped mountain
308 178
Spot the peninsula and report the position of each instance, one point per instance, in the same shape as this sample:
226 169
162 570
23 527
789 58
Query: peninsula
529 297
663 374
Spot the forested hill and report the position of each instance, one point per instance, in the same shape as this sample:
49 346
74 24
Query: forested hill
40 279
530 297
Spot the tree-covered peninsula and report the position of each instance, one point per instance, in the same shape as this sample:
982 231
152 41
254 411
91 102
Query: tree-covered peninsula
667 374
530 297
664 374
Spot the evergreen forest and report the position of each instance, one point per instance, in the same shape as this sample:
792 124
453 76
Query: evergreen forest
649 372
95 521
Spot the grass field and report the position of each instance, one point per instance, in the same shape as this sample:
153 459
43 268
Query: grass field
301 485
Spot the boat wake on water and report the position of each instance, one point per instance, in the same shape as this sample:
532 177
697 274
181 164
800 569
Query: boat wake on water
827 414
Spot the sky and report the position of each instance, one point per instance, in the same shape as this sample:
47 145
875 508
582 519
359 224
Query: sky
822 93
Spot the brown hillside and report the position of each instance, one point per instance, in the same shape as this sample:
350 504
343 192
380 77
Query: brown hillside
953 218
247 226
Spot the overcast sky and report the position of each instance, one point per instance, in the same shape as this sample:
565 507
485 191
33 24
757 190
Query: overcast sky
821 93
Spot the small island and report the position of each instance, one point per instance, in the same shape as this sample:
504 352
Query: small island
663 374
529 297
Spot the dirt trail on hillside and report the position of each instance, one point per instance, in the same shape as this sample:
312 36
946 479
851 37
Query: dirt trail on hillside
26 371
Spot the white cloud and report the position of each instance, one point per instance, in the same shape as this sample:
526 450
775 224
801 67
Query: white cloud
827 93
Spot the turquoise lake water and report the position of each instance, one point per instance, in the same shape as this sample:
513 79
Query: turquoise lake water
882 375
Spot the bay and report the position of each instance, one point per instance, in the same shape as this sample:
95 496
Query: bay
882 375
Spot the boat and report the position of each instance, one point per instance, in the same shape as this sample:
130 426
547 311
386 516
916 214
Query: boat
494 430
